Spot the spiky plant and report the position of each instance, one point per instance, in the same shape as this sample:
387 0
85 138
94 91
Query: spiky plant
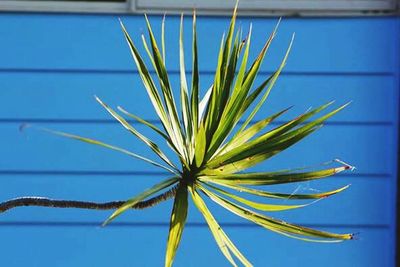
213 147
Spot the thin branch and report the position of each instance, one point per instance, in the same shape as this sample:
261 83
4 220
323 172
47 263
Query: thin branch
56 203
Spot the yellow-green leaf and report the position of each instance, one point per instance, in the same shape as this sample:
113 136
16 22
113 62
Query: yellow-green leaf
115 148
177 223
153 146
224 243
270 178
274 224
262 193
257 205
131 202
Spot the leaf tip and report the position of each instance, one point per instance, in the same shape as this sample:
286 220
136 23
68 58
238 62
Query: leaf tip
236 7
352 236
24 126
346 166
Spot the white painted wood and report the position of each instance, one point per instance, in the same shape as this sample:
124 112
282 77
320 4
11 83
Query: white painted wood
63 6
277 5
213 7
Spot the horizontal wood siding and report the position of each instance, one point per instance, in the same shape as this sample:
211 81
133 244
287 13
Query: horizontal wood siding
52 65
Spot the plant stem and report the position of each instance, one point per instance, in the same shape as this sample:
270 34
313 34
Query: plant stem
57 203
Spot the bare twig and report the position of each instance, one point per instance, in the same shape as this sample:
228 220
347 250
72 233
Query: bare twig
56 203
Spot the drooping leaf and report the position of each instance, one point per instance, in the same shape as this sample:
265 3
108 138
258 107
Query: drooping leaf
177 223
224 243
268 194
274 224
256 205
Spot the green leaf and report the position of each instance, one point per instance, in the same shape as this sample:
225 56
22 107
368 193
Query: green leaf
195 80
152 90
115 148
163 38
271 178
215 110
177 223
167 93
271 85
226 84
262 193
231 114
275 140
251 156
154 128
242 70
145 122
186 112
244 136
200 148
255 93
211 111
316 123
274 224
141 137
230 72
224 243
149 192
257 205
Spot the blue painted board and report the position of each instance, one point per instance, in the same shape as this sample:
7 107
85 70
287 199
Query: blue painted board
34 41
52 96
145 246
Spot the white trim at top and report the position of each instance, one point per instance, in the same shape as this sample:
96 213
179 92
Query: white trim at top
64 6
258 6
213 7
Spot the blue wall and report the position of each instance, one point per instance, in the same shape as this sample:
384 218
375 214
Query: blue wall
52 65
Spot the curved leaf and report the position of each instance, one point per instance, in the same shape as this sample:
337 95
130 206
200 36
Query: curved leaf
268 178
268 194
256 205
274 224
224 243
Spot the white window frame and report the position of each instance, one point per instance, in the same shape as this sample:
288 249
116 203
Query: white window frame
212 7
272 7
65 6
